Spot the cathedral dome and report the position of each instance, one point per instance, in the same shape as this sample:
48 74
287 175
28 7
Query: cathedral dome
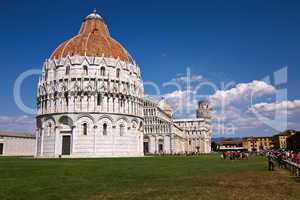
92 40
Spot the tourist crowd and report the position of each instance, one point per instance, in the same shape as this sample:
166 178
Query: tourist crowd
234 155
281 155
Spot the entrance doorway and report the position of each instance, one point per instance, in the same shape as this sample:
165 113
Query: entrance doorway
160 145
160 148
146 147
1 148
146 144
66 145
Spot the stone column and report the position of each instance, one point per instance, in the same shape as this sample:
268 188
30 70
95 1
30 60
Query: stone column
130 106
104 105
156 145
95 128
72 103
115 104
56 136
42 106
205 146
96 102
80 103
36 142
134 106
111 104
142 143
42 142
73 139
127 105
60 104
172 143
69 102
138 139
113 140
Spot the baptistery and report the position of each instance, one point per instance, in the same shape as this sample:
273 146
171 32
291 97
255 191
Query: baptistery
90 97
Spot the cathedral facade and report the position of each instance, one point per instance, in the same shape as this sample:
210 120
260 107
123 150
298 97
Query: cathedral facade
163 134
90 103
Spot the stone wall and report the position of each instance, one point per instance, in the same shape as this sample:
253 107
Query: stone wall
18 146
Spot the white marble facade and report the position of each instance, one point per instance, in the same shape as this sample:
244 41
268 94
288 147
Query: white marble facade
198 130
16 144
165 135
90 106
161 135
102 113
198 134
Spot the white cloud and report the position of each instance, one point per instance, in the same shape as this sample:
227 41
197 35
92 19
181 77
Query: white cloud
242 92
22 123
284 114
269 107
237 100
182 100
232 108
182 103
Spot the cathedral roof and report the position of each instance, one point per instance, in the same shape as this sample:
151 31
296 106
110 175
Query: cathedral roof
92 40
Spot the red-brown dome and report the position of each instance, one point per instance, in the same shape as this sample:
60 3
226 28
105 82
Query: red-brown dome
93 40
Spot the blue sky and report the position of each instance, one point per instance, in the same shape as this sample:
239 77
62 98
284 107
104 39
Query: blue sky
219 41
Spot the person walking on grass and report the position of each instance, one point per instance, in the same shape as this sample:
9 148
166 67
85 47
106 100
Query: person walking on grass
224 155
270 163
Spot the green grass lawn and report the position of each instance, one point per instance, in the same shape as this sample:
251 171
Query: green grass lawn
205 177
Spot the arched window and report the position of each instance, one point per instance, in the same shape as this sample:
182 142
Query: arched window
67 70
85 70
122 129
118 73
104 129
98 99
67 98
102 71
84 126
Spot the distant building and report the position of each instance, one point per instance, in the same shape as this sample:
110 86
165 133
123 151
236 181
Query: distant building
293 142
280 140
164 134
198 130
256 144
16 144
230 145
161 134
198 134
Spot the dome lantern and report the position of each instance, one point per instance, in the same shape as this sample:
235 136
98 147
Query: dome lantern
93 15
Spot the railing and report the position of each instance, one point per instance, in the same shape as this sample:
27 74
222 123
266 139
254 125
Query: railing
294 168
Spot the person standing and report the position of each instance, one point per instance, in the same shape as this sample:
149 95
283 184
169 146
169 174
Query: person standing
270 163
